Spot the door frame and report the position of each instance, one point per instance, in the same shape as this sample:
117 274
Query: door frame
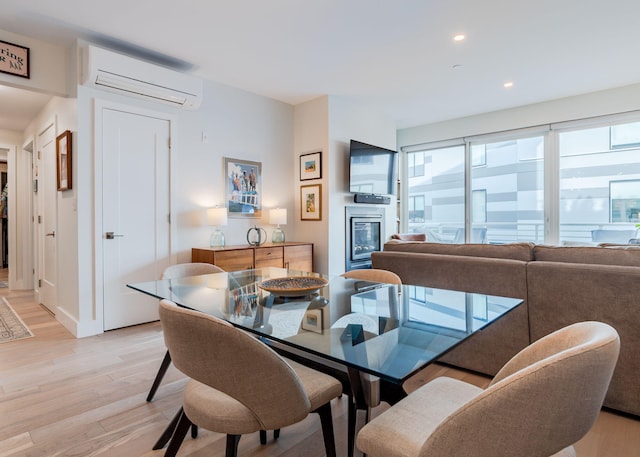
99 106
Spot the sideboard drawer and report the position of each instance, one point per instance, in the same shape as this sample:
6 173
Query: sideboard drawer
269 257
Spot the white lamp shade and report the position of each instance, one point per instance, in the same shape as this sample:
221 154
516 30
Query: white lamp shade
217 216
278 216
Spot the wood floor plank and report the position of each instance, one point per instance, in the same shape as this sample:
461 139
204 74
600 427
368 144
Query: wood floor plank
62 396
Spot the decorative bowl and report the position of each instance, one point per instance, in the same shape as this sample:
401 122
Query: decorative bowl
293 286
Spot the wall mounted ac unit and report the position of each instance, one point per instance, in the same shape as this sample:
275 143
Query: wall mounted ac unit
118 73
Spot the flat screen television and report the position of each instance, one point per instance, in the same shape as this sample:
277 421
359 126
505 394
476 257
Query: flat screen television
372 169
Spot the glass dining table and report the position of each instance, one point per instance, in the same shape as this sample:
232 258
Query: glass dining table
340 325
381 329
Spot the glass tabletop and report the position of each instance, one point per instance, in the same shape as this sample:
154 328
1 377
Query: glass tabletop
381 329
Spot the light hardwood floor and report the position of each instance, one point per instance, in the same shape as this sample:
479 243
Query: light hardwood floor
62 396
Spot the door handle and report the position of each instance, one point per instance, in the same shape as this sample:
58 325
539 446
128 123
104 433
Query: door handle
53 234
111 235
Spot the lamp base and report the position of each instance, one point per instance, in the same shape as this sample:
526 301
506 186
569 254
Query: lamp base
277 236
217 239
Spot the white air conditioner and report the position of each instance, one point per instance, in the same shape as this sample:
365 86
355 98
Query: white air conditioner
118 73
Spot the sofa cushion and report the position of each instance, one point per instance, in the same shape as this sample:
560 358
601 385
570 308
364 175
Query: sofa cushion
611 255
513 251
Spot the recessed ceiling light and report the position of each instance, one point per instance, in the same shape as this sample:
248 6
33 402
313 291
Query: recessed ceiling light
459 37
508 85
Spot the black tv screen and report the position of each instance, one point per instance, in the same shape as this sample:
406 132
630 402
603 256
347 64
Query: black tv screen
372 169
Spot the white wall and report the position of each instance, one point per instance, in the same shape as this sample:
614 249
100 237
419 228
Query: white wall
328 123
62 111
48 72
349 121
239 125
600 103
311 134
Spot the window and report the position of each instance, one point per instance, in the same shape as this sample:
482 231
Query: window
437 193
478 155
415 164
625 200
478 206
497 184
416 208
599 188
507 194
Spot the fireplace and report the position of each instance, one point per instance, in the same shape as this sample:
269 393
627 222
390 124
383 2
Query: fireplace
364 230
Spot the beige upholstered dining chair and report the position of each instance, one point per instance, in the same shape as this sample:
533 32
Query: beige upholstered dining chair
238 384
542 401
179 270
374 274
370 384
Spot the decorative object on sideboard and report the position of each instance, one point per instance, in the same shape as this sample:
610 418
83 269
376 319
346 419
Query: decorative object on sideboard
278 216
256 236
217 217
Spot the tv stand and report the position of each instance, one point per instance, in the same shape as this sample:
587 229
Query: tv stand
372 198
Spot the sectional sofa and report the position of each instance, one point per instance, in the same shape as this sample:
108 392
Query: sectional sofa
559 285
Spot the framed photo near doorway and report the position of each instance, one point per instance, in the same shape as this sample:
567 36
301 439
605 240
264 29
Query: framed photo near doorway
63 156
311 202
243 188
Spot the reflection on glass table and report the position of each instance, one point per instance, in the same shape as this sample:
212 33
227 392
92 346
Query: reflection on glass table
380 329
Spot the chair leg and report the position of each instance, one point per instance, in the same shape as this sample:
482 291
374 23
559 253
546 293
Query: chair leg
161 372
326 420
351 427
168 432
178 436
232 445
263 435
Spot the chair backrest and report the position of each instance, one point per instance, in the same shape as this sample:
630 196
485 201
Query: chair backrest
543 400
374 274
180 270
215 353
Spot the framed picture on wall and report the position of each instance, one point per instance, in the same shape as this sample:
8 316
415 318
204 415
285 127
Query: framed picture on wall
63 156
311 202
311 166
243 188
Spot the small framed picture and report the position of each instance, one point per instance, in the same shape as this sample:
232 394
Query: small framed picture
312 320
311 202
311 166
63 155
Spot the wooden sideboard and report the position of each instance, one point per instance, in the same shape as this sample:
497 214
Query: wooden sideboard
291 255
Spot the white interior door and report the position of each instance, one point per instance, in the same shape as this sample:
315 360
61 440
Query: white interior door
47 218
135 236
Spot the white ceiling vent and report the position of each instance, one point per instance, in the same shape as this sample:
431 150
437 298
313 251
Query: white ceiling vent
118 73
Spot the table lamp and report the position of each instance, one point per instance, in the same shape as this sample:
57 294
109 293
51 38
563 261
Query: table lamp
217 217
278 216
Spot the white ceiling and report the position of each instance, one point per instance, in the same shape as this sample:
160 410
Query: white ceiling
396 55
